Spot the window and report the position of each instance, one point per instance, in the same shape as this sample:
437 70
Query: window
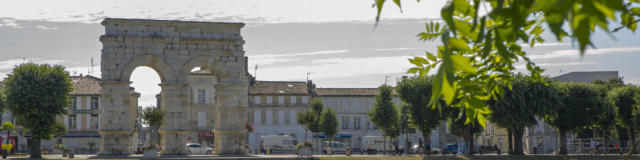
94 121
257 119
269 117
345 122
356 122
94 102
304 100
293 99
213 95
280 117
286 142
201 119
256 99
72 121
280 99
269 100
201 96
294 117
74 103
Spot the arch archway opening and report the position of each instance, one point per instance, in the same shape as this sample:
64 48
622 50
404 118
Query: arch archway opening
146 92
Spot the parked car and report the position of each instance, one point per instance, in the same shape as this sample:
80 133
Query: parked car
484 149
194 148
450 148
278 143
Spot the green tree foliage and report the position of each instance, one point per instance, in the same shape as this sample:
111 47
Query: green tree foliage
625 100
314 115
481 42
306 119
385 113
36 95
582 103
153 117
60 130
406 124
521 106
416 92
329 123
2 102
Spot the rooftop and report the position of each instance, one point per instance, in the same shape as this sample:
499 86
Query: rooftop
279 87
86 85
347 91
586 77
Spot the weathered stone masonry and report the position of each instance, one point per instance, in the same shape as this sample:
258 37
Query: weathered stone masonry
173 49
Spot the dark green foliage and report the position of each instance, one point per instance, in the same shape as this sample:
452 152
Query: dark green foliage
625 100
582 104
522 104
385 113
416 92
316 109
329 123
36 94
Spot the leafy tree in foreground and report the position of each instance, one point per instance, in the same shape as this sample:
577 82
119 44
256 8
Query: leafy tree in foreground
625 101
60 130
306 119
385 113
581 103
36 95
521 107
416 92
329 123
481 41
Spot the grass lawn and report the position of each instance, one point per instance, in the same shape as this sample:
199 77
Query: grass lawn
481 157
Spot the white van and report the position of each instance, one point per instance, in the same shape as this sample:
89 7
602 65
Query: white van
336 147
374 144
277 143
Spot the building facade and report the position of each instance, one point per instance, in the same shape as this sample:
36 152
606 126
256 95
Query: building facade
273 109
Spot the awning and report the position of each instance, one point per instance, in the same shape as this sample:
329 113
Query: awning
336 136
205 134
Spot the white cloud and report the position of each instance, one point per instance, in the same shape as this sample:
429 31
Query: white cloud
252 11
574 53
338 67
277 58
395 49
547 44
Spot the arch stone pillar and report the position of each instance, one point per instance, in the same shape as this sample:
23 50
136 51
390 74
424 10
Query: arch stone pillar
117 122
232 109
174 100
172 49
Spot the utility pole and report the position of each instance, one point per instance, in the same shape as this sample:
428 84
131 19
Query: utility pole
91 67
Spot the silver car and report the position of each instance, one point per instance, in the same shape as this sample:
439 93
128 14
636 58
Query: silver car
194 148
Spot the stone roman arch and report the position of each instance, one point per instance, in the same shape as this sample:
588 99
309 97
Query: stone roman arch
173 49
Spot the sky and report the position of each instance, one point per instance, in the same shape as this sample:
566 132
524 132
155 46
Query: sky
335 41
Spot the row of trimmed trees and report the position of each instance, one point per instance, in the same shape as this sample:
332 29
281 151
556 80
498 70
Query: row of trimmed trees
602 107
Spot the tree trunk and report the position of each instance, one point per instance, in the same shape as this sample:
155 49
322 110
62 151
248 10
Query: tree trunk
563 142
384 145
510 139
426 142
632 136
468 138
35 148
517 136
406 143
